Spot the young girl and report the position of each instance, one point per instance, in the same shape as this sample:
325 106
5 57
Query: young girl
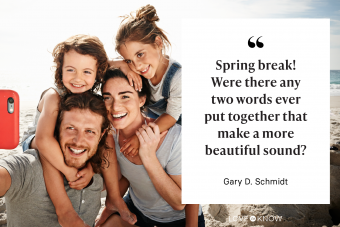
142 45
81 62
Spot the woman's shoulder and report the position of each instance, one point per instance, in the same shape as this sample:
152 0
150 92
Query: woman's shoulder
175 133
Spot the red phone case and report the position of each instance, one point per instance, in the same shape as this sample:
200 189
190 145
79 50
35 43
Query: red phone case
9 122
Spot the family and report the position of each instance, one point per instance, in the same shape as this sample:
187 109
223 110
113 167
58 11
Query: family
126 141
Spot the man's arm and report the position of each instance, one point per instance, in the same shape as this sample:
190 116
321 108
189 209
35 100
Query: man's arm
5 181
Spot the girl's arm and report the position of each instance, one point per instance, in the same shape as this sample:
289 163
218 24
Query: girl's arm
168 186
134 78
191 215
165 121
47 145
54 182
50 151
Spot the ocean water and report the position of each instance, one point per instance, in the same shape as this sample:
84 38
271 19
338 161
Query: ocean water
335 82
29 90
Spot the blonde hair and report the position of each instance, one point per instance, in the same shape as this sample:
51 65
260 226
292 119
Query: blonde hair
141 26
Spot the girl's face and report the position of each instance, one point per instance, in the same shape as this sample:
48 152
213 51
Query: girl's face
122 102
145 58
79 71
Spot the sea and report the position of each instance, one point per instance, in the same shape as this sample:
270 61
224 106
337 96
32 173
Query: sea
335 82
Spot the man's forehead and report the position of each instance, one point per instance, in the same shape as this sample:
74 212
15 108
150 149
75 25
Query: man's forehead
85 118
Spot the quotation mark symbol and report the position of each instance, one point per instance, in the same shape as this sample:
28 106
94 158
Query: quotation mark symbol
258 43
252 218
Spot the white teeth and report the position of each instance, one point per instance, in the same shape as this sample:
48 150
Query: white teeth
76 85
119 115
145 69
77 151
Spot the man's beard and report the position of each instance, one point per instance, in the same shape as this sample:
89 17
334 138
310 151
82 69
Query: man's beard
70 162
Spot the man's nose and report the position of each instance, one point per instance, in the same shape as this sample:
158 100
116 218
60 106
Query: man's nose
78 138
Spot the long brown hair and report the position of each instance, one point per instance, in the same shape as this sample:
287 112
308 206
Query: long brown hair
85 45
94 103
141 26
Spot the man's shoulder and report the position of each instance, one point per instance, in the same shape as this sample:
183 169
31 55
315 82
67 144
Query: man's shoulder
30 157
25 171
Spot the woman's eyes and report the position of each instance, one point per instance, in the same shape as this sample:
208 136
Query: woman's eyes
140 55
128 61
70 128
87 72
107 98
69 70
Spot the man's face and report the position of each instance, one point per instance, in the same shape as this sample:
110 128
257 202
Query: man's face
80 133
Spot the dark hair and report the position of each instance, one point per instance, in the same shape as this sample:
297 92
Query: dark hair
112 73
85 45
141 27
94 103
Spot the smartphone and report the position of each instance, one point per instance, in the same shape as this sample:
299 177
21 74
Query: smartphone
9 119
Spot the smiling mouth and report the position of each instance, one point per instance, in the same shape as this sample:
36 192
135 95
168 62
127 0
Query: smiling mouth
145 70
77 151
119 116
78 85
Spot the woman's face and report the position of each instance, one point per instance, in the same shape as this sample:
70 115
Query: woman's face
122 102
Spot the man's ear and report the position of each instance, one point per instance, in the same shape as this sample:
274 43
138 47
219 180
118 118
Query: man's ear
101 136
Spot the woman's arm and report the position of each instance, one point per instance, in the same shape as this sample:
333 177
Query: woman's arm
106 213
168 186
111 176
191 215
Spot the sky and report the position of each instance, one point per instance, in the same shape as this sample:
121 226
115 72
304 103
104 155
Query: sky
29 30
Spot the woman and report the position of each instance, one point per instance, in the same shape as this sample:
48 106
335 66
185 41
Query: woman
154 175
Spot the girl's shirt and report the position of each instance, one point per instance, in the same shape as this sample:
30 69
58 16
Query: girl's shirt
174 102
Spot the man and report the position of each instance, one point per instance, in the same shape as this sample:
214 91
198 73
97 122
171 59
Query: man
81 131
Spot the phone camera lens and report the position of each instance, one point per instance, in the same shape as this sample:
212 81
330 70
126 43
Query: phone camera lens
11 100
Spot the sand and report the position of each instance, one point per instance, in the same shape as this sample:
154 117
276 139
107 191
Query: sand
223 214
